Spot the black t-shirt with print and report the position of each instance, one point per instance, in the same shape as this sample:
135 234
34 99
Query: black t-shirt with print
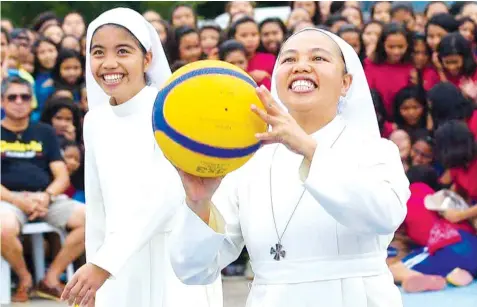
26 157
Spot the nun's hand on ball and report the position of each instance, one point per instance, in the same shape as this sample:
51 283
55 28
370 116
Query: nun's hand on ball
199 192
285 129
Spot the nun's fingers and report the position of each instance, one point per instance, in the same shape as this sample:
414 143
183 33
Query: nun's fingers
269 137
88 300
265 116
269 103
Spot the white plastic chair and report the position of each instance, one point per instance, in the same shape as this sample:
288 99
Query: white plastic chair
36 230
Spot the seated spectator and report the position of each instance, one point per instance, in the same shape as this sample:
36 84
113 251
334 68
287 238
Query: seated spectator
210 39
68 72
449 103
234 53
422 149
296 16
65 117
448 249
34 178
272 34
410 109
381 11
73 24
260 65
183 15
403 141
456 149
71 153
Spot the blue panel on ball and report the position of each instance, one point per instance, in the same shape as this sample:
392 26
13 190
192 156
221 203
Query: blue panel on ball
159 122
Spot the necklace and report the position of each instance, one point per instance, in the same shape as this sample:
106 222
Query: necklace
278 250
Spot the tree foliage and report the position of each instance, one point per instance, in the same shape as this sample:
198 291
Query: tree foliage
23 13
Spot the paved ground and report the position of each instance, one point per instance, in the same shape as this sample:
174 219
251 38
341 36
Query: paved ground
235 294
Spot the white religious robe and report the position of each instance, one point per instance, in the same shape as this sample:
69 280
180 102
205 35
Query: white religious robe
132 195
336 243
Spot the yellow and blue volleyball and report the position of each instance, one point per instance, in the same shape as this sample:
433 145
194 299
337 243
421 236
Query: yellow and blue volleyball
202 119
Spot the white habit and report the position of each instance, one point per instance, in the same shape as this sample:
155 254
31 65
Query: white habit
132 195
355 194
132 191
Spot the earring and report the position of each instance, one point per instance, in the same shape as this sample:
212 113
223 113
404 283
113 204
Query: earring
341 104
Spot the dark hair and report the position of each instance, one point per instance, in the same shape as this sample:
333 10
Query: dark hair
424 174
455 144
349 28
316 18
410 92
456 44
354 8
428 5
445 21
168 45
233 27
373 21
72 13
64 55
401 6
334 19
41 19
6 82
448 103
336 7
379 108
64 143
373 8
422 135
37 67
7 36
54 104
280 24
390 29
463 20
177 37
229 46
177 64
215 27
177 6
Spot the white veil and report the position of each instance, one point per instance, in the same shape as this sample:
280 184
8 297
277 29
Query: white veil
158 72
357 107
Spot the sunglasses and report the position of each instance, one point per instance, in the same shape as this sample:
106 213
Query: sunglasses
14 97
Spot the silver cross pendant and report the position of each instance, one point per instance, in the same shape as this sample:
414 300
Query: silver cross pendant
278 252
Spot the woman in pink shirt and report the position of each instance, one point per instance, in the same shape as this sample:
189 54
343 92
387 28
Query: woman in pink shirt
390 69
260 65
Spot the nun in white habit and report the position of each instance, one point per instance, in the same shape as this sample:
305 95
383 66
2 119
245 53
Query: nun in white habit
132 191
316 209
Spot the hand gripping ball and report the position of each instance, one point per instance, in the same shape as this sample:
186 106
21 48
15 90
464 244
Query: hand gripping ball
202 119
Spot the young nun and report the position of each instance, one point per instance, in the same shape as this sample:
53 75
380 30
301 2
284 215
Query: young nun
132 191
318 208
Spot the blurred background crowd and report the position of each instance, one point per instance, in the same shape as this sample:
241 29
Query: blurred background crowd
419 59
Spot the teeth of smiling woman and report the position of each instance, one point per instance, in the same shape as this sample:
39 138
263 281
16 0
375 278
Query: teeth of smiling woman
302 86
112 79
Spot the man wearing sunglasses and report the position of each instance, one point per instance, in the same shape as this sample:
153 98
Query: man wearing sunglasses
33 180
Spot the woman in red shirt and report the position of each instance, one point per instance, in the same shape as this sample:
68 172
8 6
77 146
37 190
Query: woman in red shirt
447 102
390 69
260 65
456 149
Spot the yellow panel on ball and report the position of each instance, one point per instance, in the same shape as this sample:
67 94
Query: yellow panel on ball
202 119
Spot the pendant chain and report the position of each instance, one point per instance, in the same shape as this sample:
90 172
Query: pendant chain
271 203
